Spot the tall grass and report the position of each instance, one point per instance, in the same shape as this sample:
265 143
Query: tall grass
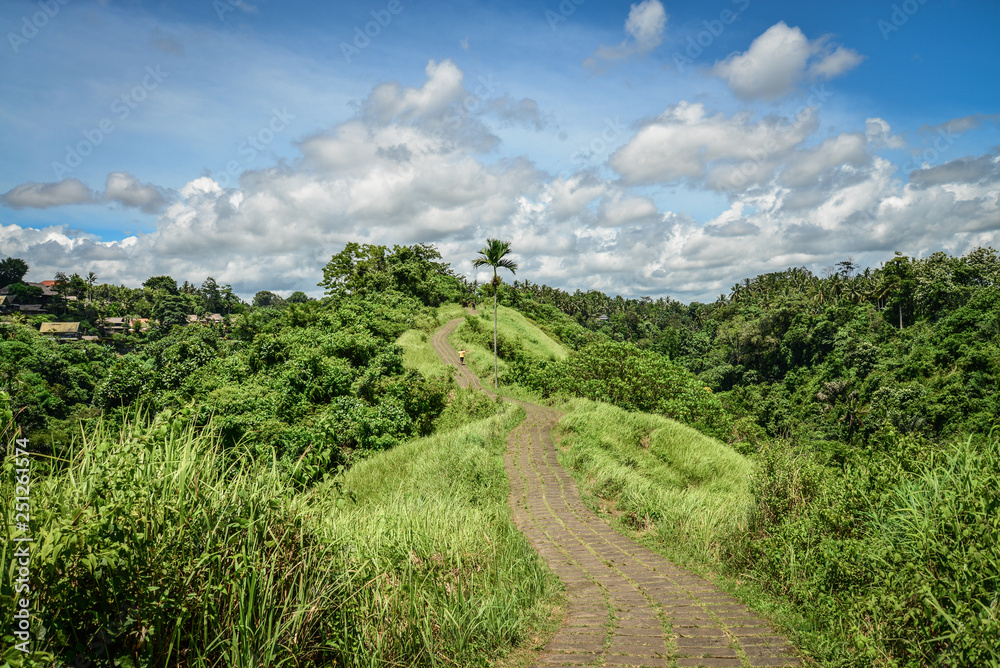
155 547
658 476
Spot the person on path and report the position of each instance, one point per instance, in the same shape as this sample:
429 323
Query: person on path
461 357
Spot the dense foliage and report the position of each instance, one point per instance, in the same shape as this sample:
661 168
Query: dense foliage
865 401
319 382
865 398
156 546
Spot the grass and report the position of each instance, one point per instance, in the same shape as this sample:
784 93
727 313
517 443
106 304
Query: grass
418 353
656 476
154 546
518 332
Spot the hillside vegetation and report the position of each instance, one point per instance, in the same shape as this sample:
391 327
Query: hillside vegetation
273 489
285 492
866 402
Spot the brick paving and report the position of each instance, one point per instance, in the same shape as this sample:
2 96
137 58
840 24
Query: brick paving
626 605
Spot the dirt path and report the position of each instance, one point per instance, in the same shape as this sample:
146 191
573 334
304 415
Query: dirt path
627 606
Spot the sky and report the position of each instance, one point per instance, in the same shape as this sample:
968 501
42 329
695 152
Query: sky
646 149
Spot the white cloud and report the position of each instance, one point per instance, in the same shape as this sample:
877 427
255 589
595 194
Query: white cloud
443 87
125 189
644 26
835 63
44 195
777 62
685 143
406 178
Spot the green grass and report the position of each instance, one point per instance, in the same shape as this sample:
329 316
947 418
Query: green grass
657 476
418 353
515 329
157 547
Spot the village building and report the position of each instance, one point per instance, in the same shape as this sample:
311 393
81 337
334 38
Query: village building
64 331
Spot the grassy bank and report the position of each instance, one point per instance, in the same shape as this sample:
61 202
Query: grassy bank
516 334
657 477
155 547
910 580
418 353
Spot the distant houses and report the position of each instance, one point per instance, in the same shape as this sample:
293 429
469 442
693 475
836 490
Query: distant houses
48 300
207 319
66 331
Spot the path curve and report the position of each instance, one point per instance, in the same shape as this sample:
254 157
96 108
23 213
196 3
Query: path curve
626 605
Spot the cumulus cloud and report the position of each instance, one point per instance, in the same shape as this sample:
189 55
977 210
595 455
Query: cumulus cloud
390 101
126 190
686 143
524 112
44 195
644 29
399 178
966 170
781 58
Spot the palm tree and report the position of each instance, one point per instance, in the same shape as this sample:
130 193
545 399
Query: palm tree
492 255
91 279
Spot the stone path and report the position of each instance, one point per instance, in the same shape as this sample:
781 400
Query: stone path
627 605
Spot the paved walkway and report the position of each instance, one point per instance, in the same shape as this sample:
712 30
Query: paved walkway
627 605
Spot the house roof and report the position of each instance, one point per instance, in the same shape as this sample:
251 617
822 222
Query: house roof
46 290
115 320
60 327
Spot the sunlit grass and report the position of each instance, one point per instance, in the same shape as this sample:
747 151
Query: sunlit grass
657 475
512 327
173 551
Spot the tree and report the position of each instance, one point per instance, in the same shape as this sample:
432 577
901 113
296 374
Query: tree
91 279
298 297
170 310
24 293
416 271
12 270
493 255
162 283
267 298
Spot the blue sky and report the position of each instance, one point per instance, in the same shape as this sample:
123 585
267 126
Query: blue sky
649 148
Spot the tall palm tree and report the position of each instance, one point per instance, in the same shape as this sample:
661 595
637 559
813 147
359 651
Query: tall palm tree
492 255
91 279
